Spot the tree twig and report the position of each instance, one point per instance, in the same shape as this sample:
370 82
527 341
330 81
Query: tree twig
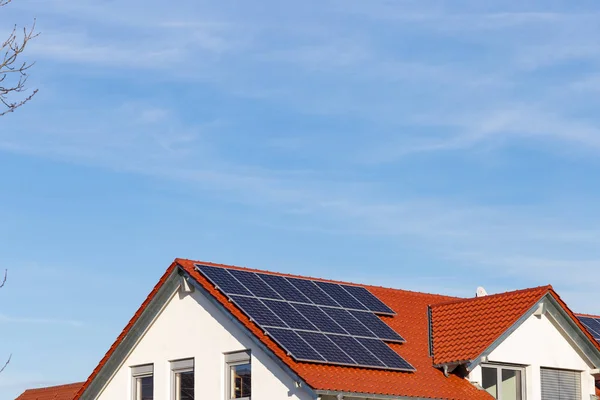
6 364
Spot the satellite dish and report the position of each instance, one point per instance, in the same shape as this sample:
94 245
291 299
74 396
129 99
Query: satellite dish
481 292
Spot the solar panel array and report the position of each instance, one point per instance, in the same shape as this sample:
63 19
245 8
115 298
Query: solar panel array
314 321
592 324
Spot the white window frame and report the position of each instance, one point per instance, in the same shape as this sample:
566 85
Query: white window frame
138 372
231 360
499 367
177 367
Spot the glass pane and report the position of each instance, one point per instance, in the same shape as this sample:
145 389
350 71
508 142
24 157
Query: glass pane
185 385
146 388
241 381
511 385
490 381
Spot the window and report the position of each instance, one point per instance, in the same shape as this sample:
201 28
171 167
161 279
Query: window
238 375
182 379
142 382
560 384
503 382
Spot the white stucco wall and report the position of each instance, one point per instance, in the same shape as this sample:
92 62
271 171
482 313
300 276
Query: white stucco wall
191 326
538 343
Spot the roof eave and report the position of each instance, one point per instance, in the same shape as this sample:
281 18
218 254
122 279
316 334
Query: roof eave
370 396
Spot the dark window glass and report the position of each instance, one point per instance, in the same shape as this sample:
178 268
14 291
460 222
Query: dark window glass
185 385
490 381
147 388
241 381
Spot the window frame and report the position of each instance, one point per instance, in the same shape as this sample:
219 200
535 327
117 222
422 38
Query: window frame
178 367
511 367
139 372
231 360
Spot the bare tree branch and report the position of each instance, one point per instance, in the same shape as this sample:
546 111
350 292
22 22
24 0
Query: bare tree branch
1 286
6 364
14 71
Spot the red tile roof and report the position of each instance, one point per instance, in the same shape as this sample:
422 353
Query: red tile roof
62 392
463 329
411 322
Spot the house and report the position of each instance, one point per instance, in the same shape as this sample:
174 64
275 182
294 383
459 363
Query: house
62 392
223 332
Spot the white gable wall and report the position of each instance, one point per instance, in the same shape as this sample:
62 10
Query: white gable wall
192 326
538 343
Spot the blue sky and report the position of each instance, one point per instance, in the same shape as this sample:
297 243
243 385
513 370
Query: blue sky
426 145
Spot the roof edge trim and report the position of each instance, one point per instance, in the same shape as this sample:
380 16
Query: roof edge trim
138 327
500 339
558 313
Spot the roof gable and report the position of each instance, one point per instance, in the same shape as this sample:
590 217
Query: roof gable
62 392
464 329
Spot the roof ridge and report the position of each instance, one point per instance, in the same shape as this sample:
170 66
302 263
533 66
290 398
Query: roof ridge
56 386
587 315
213 264
495 295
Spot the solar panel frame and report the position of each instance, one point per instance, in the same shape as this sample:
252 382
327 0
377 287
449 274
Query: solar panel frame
307 322
255 284
288 314
341 296
379 328
223 280
319 318
257 311
592 324
313 292
347 321
284 288
370 301
294 345
326 348
357 351
386 354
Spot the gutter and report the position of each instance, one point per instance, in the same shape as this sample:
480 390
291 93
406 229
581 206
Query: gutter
367 396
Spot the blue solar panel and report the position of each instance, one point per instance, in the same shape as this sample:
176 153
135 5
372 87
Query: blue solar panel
592 325
338 293
368 299
383 352
348 322
255 285
295 345
222 279
289 315
257 311
377 326
329 350
321 320
284 288
357 351
313 321
313 292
